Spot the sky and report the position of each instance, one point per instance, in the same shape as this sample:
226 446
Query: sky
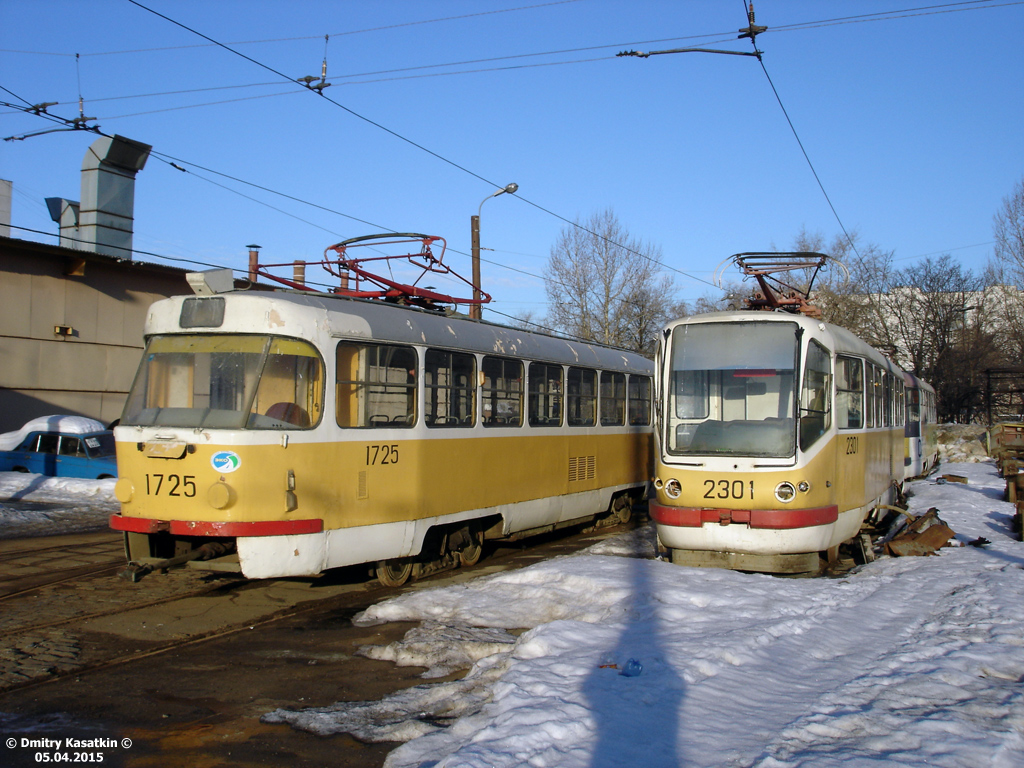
912 661
908 111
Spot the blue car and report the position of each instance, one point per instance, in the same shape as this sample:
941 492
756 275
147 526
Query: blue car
60 446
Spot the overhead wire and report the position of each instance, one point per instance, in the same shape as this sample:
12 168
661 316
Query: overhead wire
760 59
951 7
315 37
409 141
972 5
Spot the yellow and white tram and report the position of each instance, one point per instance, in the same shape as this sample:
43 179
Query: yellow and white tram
778 436
308 431
921 453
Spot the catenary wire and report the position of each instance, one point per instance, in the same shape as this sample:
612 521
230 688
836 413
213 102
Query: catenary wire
787 27
415 144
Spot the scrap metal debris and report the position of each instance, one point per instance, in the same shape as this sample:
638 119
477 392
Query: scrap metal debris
923 536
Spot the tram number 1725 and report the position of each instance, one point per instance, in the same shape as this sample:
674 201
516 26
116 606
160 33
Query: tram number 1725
170 485
725 489
381 454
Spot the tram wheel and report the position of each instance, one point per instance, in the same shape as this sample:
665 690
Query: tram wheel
394 573
471 553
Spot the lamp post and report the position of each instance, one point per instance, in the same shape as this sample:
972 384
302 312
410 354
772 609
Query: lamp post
475 310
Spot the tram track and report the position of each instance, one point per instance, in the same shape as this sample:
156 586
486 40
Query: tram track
110 612
79 638
141 655
33 551
24 569
181 668
34 583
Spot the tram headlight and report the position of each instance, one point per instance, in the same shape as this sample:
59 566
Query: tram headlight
673 489
803 486
221 495
785 492
124 490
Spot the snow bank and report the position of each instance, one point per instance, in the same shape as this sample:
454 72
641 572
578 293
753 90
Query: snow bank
960 443
36 505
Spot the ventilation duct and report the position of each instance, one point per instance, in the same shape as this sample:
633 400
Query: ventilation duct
103 221
5 207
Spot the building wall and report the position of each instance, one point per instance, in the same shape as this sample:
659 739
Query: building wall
104 300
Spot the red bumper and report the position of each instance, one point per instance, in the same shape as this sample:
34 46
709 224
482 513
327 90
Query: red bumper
775 519
197 528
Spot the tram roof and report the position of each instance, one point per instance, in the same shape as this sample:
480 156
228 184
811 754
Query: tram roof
300 315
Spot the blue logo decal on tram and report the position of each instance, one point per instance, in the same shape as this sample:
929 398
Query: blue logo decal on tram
225 461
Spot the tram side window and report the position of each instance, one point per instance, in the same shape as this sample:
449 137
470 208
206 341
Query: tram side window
879 397
900 403
545 401
913 405
849 393
376 385
449 388
815 395
581 397
502 392
639 404
869 394
613 399
887 387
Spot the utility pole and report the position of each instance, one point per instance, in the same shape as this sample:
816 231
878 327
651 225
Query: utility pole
475 310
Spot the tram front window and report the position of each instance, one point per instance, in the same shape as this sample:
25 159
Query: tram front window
731 389
227 382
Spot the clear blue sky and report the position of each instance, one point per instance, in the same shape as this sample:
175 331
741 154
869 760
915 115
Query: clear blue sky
912 119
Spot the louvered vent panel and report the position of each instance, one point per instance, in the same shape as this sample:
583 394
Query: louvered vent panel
582 468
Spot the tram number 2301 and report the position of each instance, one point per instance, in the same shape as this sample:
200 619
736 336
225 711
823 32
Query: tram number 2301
729 489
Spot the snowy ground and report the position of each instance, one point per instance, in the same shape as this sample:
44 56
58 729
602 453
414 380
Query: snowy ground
904 662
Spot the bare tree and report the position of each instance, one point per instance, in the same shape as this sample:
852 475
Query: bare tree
604 285
848 295
1008 227
1007 273
934 318
526 320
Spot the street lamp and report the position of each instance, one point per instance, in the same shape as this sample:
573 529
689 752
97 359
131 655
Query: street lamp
475 310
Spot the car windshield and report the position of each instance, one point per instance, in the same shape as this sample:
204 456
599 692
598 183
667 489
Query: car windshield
227 381
100 446
730 390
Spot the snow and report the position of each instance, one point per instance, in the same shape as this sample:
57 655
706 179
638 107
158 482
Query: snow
72 425
913 661
36 505
903 662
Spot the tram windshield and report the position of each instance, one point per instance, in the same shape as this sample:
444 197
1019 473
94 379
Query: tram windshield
227 382
730 390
